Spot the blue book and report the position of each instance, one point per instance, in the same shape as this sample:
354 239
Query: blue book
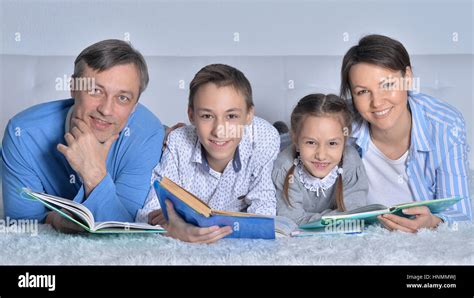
198 213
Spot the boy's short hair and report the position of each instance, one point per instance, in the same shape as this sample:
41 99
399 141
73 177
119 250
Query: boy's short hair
221 75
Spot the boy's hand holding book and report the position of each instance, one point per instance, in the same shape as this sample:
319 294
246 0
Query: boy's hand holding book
177 228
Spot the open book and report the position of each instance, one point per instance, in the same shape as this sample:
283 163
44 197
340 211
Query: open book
369 213
84 218
196 212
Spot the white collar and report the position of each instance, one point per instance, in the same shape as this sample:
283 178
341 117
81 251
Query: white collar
315 184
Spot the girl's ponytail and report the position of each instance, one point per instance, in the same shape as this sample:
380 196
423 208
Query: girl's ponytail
286 185
339 194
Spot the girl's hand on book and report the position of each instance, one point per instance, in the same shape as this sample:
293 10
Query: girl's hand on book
62 224
179 229
423 219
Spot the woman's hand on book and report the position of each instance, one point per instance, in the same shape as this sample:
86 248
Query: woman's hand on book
179 229
423 219
62 224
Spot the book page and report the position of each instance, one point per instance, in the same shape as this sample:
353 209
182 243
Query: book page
185 196
368 208
126 226
368 212
233 213
435 206
77 209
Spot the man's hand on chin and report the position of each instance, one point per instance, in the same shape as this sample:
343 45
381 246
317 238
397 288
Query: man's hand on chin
85 154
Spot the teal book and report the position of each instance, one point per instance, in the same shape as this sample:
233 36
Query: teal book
82 216
369 213
198 213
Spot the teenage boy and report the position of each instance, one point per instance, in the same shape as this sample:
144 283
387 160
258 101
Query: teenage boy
225 157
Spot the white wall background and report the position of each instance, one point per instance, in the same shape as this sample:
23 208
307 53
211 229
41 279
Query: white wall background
272 42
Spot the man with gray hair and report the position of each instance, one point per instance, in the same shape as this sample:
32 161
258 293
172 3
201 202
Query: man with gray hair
97 148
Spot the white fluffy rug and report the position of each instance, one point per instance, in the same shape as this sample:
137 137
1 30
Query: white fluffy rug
375 246
445 246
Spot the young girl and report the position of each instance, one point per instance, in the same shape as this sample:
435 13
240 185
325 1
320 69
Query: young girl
319 174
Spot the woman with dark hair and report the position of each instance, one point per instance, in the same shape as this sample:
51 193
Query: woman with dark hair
412 145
